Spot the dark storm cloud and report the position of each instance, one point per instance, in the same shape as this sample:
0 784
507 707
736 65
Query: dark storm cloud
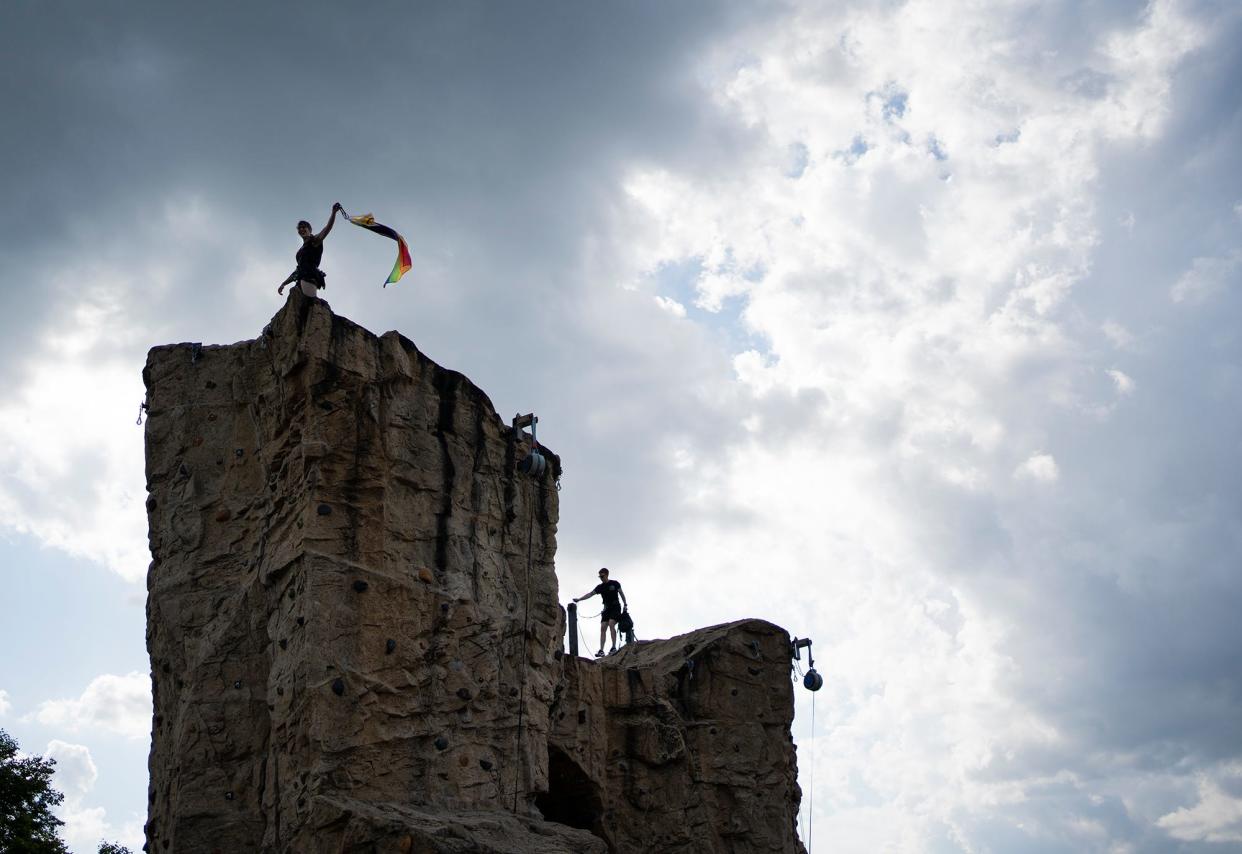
493 135
390 102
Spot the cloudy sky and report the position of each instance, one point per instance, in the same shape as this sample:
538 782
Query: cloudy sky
910 326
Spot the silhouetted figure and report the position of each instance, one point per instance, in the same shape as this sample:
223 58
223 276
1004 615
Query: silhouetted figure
613 596
307 274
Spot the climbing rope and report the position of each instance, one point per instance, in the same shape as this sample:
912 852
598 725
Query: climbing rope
806 816
517 736
585 645
810 813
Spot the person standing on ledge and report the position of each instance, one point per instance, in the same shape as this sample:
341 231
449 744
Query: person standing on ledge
608 591
307 274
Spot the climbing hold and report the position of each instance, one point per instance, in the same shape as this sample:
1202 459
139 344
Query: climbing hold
280 692
389 646
198 440
301 620
228 796
209 384
183 470
425 575
444 606
463 693
239 453
219 461
441 742
223 515
284 643
211 416
338 686
237 684
151 504
360 586
324 510
485 764
463 760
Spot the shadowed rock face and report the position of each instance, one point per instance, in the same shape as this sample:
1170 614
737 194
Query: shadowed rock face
355 638
680 745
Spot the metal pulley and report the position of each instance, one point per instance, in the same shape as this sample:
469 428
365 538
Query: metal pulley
535 463
811 680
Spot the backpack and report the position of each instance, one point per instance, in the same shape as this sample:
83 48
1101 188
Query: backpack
626 625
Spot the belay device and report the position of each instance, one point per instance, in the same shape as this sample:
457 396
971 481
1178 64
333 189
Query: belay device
811 680
534 463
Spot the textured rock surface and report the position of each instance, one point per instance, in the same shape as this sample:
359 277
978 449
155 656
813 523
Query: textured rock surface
680 745
355 638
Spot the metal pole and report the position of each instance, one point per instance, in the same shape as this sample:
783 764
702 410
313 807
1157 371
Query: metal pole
572 611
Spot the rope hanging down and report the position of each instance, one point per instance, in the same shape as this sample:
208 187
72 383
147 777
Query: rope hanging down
809 811
517 736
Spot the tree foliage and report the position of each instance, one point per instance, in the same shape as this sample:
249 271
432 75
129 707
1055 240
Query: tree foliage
27 825
113 848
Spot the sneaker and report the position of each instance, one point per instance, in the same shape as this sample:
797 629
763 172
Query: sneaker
612 651
600 654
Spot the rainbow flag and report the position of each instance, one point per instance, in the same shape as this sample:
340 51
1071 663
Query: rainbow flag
403 264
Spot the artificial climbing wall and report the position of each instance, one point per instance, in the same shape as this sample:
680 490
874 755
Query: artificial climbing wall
680 745
351 599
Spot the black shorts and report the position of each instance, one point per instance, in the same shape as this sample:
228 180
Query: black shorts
610 613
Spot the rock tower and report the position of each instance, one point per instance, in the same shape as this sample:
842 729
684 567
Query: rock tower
356 641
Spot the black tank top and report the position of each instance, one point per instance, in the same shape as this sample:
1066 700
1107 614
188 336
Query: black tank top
309 255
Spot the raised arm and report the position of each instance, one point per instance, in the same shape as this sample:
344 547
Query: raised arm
321 235
587 596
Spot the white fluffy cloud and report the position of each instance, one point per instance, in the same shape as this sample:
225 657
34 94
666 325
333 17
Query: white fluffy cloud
1040 467
85 826
922 281
70 453
118 704
1217 817
1206 277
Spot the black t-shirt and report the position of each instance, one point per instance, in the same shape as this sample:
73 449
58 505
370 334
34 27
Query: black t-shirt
609 591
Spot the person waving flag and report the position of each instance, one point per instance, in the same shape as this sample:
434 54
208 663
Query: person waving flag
403 264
